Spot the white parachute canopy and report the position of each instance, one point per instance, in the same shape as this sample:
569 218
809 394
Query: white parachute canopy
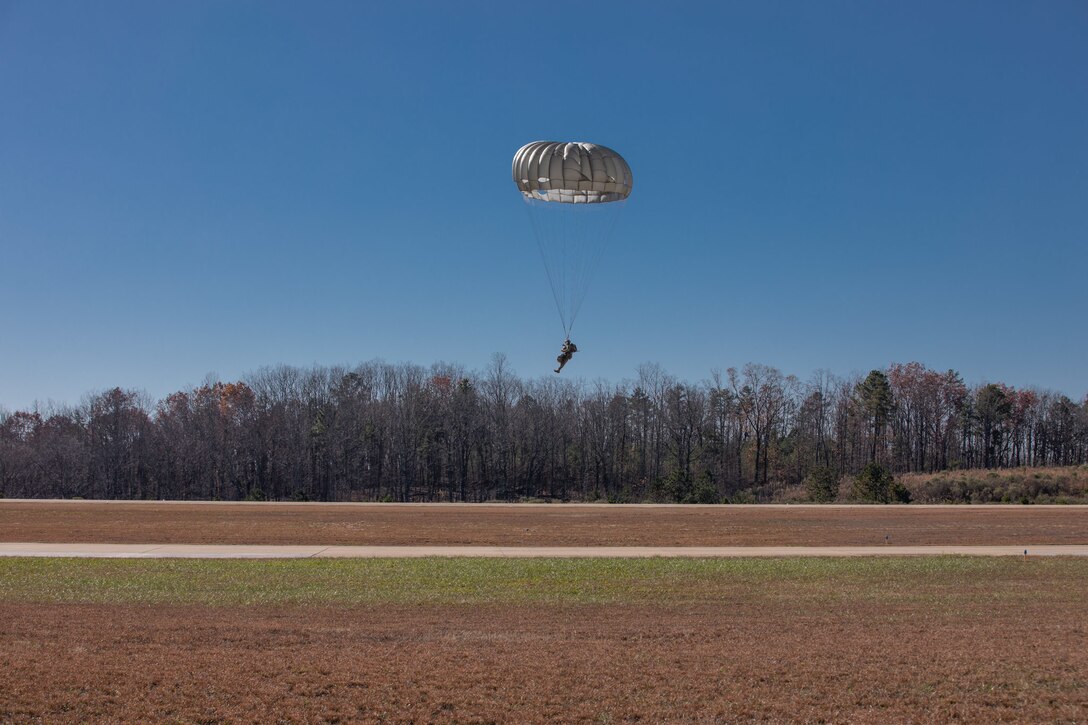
574 192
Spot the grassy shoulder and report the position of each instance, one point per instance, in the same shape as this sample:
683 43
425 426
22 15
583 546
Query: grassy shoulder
961 582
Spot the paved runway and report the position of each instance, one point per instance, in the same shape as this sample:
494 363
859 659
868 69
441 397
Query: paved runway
211 551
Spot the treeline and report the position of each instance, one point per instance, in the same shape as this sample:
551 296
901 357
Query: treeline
409 433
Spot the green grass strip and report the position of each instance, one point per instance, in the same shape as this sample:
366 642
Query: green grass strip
954 581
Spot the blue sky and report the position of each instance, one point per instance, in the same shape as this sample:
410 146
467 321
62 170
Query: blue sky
200 187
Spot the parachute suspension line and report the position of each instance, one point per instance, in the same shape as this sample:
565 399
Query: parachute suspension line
577 247
572 240
594 252
563 216
551 267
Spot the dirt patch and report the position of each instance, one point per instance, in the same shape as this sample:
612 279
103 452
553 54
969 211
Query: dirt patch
755 658
547 525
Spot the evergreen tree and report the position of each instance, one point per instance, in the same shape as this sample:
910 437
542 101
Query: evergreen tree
822 484
876 483
992 408
874 395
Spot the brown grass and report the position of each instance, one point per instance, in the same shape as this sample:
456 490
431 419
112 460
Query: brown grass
1068 484
542 525
756 657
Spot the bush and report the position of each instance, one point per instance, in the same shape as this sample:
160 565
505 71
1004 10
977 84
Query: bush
1023 487
875 483
678 486
655 492
673 488
743 497
255 494
822 484
622 496
791 494
704 492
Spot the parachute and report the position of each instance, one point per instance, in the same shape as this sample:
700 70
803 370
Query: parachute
574 192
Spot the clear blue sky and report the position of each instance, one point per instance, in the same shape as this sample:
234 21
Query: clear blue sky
195 187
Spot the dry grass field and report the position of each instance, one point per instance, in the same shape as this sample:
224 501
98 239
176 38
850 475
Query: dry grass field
869 640
603 641
538 525
1065 484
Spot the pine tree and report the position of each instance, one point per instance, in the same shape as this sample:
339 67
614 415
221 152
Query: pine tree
874 395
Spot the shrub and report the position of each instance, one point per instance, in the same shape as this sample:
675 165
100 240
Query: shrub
822 484
704 492
791 494
624 495
745 496
1013 487
875 483
655 492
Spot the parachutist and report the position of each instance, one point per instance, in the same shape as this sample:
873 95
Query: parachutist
566 353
